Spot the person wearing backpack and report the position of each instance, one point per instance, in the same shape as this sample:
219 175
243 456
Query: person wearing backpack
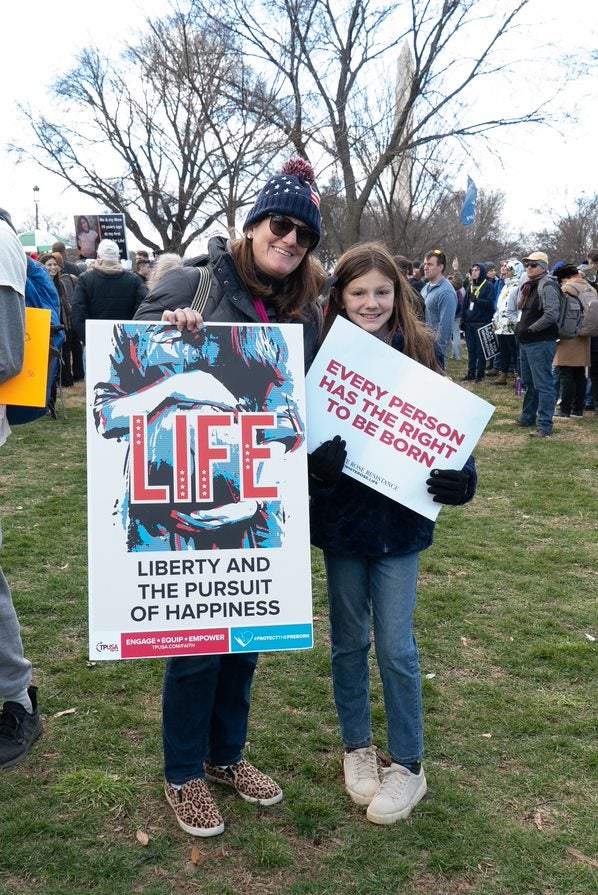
20 720
538 311
573 355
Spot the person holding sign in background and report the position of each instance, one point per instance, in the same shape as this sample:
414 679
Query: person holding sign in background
478 308
371 550
267 276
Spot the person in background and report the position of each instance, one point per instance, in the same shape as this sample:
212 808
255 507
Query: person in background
478 308
72 351
268 275
67 266
371 550
106 292
495 281
64 375
440 298
456 280
419 305
538 305
20 719
572 355
504 320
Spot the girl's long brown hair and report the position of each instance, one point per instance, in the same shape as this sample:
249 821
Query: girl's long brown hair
302 287
360 260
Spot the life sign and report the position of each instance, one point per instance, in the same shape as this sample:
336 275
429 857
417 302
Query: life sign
198 505
196 485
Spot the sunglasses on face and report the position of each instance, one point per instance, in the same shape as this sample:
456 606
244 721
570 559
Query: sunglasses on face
282 226
531 264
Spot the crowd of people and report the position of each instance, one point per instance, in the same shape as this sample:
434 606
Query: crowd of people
371 544
557 377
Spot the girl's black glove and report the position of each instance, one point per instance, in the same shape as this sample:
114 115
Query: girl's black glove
326 463
448 486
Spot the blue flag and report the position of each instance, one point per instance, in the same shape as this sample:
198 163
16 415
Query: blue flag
468 210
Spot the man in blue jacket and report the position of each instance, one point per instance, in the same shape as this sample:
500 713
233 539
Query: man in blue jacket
440 298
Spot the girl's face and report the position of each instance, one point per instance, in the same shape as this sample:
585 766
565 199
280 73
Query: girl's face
368 301
52 267
84 224
276 256
475 271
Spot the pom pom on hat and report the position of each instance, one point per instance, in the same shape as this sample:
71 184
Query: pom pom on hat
292 193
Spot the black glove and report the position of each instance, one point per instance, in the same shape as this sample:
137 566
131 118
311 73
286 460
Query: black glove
326 463
448 486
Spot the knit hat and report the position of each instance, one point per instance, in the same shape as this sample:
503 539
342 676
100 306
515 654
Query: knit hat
565 271
540 258
292 193
108 250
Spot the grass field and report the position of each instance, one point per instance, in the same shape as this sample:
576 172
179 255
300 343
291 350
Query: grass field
505 624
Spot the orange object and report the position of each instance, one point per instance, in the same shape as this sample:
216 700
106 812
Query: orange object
28 389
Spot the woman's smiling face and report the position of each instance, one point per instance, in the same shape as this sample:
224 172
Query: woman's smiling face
276 256
369 301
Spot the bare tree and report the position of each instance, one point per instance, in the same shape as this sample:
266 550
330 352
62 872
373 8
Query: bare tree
332 85
159 136
575 232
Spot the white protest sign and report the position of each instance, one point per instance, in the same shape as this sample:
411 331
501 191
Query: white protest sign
399 419
197 490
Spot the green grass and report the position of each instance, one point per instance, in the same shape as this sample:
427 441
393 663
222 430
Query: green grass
507 598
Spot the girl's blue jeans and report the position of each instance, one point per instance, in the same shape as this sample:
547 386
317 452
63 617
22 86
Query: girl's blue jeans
384 587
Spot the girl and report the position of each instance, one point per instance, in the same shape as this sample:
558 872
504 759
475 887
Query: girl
371 549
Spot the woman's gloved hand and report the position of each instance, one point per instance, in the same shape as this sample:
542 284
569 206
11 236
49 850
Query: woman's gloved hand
448 486
326 463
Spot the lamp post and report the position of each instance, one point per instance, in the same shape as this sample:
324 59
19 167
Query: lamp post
36 200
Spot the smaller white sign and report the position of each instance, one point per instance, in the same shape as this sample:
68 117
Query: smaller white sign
400 420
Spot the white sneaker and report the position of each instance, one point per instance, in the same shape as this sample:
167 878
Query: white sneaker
399 793
361 774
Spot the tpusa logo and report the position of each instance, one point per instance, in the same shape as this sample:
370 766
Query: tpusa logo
106 647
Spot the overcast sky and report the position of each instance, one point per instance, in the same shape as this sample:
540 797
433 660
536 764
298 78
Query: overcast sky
538 171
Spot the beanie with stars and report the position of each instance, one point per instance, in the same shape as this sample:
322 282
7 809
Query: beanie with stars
292 193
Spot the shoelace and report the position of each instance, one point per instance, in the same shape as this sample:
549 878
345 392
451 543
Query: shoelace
365 764
395 779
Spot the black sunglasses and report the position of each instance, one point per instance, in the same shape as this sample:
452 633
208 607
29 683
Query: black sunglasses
282 226
531 264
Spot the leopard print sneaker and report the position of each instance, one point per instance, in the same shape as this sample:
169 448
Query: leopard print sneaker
194 807
251 784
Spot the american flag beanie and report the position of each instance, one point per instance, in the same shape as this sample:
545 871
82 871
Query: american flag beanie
292 193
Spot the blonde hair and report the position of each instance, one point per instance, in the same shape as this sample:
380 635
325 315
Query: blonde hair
165 262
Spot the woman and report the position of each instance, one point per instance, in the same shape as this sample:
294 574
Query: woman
573 356
72 351
457 280
505 318
65 375
478 308
87 238
269 275
371 549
